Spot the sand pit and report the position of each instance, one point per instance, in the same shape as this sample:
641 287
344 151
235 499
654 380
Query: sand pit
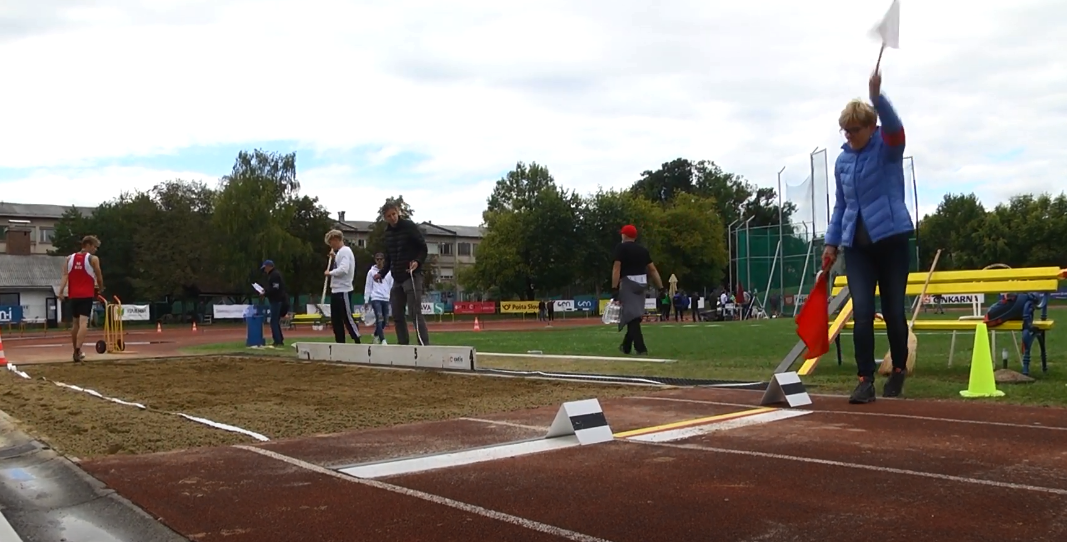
274 397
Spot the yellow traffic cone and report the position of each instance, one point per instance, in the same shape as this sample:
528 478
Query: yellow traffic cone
982 383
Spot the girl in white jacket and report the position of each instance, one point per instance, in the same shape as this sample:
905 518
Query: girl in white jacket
376 295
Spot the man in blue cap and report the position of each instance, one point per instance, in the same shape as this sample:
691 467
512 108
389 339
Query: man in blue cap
278 299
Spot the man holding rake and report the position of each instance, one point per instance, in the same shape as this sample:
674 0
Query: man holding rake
341 274
405 254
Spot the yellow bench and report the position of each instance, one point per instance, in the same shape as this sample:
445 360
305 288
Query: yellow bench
1001 280
315 318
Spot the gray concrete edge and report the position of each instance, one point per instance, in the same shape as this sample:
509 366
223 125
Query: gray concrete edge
46 496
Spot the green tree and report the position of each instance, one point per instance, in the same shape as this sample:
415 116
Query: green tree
69 230
955 229
690 242
309 223
171 254
532 222
254 212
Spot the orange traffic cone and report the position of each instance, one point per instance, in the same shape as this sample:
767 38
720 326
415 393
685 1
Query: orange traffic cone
159 328
477 326
3 358
194 327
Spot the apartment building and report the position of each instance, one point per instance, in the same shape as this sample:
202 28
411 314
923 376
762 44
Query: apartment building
455 247
39 221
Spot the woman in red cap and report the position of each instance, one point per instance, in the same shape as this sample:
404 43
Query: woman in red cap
629 281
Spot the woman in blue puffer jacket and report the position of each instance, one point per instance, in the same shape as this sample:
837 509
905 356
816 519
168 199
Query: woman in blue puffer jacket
871 225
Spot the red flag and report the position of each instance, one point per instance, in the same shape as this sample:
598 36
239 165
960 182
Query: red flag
813 321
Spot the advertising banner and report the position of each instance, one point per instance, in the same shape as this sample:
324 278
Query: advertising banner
229 312
135 313
564 305
518 307
474 307
10 314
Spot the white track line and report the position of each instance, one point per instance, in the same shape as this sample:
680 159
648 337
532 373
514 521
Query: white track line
878 414
397 467
458 505
509 424
703 429
7 532
876 468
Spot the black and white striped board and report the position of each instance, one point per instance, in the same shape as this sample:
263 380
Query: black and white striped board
584 419
786 388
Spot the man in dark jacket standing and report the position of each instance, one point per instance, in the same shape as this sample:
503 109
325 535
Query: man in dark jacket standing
279 302
405 254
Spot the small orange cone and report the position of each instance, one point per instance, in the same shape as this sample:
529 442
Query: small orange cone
477 326
3 358
194 327
159 328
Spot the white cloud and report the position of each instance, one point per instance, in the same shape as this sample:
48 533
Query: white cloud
597 90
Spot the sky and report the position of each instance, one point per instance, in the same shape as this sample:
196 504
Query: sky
436 101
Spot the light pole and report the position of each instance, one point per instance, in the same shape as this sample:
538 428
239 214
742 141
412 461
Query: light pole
730 253
781 240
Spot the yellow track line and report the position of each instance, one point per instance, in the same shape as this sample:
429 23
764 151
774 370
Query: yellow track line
697 421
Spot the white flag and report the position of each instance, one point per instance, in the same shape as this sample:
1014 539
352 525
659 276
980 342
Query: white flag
889 29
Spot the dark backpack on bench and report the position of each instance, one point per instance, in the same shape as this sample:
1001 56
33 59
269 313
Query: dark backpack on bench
1011 307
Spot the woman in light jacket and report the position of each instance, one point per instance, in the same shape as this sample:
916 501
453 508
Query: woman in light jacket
871 226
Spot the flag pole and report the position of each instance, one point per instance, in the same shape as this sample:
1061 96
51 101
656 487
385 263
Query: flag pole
879 63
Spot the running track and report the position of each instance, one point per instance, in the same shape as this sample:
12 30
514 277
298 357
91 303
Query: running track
896 470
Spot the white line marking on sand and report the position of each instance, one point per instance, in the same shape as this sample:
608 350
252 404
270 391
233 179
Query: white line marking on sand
734 423
458 505
878 414
509 424
890 470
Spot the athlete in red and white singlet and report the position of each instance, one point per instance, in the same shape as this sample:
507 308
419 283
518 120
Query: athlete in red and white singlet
82 280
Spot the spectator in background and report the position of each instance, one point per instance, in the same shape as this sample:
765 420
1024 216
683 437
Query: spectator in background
550 307
694 306
629 281
278 299
664 307
376 295
679 306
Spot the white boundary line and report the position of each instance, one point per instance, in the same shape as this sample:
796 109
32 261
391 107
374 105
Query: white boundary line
458 505
876 468
226 427
590 358
878 414
509 424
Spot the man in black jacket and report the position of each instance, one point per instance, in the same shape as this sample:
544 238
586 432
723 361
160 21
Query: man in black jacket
279 302
405 254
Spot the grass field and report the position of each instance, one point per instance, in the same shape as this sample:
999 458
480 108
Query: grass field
750 351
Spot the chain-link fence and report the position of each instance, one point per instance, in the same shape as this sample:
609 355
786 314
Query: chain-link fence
779 263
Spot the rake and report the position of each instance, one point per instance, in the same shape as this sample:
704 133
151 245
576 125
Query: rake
325 283
913 342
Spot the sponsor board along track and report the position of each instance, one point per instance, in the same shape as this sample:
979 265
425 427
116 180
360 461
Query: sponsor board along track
694 464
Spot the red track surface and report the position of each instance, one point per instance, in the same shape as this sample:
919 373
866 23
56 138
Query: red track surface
54 346
896 470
